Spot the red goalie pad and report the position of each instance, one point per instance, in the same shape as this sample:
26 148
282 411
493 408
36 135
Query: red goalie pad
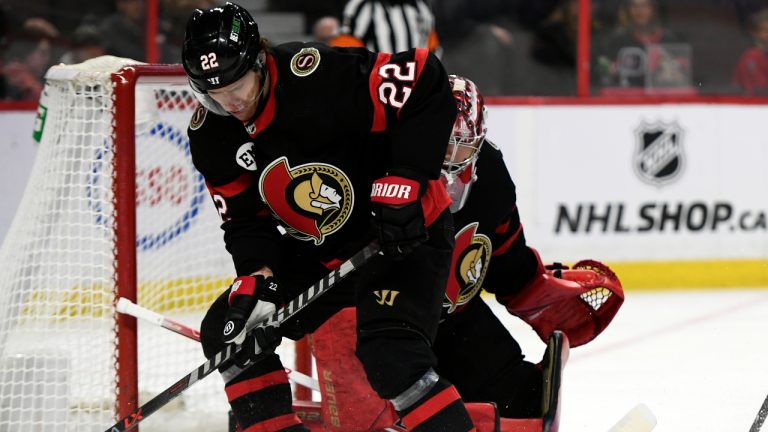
580 301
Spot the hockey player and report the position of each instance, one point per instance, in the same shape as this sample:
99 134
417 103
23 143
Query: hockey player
474 349
316 140
491 253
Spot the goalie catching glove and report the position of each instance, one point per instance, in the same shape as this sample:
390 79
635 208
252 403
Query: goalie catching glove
580 301
397 213
252 299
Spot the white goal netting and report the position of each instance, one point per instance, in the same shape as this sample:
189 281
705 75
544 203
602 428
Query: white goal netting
59 362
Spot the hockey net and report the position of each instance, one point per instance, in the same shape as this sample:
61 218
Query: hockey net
113 207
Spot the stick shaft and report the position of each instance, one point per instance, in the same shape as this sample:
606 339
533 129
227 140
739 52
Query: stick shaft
128 307
132 420
760 418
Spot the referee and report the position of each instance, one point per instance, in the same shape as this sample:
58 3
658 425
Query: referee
387 25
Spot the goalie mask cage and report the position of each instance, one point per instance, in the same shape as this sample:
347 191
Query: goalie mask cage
113 208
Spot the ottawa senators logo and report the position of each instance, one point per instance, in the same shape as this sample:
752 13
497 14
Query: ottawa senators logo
312 200
468 267
198 117
305 61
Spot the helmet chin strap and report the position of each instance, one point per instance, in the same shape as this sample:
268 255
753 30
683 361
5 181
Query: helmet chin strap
263 82
261 68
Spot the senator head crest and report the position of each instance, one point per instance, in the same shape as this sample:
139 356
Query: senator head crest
469 264
311 200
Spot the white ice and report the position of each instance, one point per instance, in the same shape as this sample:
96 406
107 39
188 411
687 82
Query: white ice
697 359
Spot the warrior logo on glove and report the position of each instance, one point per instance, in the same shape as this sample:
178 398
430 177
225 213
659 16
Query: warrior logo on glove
312 200
469 264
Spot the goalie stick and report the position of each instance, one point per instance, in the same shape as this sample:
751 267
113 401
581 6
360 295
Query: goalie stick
638 419
132 420
127 307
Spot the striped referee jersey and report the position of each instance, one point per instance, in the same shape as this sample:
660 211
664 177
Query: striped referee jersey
388 25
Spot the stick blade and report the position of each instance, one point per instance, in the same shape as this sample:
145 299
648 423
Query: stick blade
638 419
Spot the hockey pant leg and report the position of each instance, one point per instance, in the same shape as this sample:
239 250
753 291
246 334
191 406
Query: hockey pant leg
476 352
260 395
398 310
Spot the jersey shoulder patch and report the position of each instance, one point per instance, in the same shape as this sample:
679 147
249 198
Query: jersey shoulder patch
305 61
198 117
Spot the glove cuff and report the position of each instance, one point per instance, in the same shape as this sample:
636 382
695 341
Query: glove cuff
243 285
268 290
411 174
395 191
399 187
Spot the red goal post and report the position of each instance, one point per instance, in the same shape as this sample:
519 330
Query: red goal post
113 208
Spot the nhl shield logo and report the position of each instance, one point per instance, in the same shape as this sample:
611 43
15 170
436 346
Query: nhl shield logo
658 158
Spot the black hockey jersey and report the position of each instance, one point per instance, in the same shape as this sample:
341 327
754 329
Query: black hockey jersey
490 251
334 120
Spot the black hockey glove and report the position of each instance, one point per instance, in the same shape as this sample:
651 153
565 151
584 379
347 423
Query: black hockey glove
251 300
261 342
398 215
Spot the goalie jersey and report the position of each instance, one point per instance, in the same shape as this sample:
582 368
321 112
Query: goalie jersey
333 121
488 230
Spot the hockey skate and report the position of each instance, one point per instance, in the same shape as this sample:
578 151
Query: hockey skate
552 365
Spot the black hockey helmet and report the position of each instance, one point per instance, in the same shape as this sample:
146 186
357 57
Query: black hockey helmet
220 46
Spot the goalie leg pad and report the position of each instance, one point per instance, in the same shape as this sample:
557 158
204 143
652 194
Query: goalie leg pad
552 365
348 401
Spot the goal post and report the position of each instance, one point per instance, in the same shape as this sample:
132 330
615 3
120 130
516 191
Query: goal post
113 208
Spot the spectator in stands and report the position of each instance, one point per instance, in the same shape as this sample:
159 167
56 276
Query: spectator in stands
173 20
311 10
388 25
554 48
3 46
27 60
123 31
325 29
620 56
477 41
87 43
65 16
751 72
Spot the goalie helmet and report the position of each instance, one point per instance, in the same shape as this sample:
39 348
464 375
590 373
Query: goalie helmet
467 136
220 46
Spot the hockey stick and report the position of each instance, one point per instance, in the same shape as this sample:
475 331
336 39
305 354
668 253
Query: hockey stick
761 415
132 420
638 419
127 307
